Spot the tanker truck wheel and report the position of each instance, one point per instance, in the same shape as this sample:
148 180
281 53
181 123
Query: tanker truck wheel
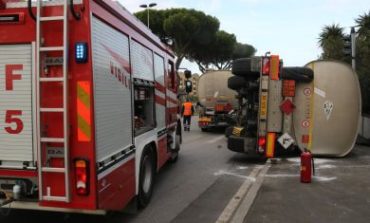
300 74
243 67
229 131
236 83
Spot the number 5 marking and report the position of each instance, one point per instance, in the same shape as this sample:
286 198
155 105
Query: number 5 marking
9 119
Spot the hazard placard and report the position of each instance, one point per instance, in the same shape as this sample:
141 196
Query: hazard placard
287 106
286 140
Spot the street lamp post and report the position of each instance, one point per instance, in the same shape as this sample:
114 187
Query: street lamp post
147 7
353 46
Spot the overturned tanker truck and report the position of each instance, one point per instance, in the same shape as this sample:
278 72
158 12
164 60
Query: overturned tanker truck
315 107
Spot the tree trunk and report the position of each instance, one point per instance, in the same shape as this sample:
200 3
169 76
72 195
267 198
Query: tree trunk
178 62
201 67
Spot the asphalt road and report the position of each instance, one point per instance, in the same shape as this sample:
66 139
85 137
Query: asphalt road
195 189
339 192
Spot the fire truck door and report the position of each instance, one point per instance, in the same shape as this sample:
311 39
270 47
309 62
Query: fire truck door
16 106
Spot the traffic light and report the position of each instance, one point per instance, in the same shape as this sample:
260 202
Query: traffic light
187 74
347 49
188 86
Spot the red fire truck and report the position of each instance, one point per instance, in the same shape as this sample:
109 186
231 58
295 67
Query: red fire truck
88 106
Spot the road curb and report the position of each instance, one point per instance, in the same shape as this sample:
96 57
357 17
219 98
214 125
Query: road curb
238 207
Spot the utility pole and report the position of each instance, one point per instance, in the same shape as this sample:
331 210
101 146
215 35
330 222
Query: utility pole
353 46
349 48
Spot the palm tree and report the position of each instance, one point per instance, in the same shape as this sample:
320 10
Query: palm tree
363 41
331 40
364 23
363 58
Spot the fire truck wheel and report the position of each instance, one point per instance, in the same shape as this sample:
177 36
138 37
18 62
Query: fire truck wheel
174 157
175 153
147 170
204 129
300 74
236 83
242 67
178 130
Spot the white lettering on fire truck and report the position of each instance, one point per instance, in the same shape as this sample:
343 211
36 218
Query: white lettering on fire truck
120 75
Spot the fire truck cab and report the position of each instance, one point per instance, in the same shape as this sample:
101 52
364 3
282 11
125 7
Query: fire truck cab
88 106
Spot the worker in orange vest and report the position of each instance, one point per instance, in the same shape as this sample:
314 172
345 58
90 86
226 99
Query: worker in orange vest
187 111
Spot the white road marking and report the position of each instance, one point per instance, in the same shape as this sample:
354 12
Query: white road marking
345 166
215 139
241 167
244 197
324 179
327 166
316 160
318 178
281 175
260 166
355 166
222 172
322 163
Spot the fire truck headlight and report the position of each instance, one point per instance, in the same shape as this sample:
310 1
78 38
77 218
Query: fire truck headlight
81 52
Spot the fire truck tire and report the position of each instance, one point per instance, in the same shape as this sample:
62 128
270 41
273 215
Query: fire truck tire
146 177
300 74
236 83
242 67
174 157
179 130
204 129
175 153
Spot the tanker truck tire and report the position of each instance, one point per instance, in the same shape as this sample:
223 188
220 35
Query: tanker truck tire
300 74
236 83
242 67
235 144
229 131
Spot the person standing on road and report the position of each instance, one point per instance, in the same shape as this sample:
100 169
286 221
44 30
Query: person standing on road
187 111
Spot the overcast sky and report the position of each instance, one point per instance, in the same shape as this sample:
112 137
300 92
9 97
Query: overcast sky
289 28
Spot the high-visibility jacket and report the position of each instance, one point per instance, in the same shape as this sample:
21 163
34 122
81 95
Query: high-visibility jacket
187 108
